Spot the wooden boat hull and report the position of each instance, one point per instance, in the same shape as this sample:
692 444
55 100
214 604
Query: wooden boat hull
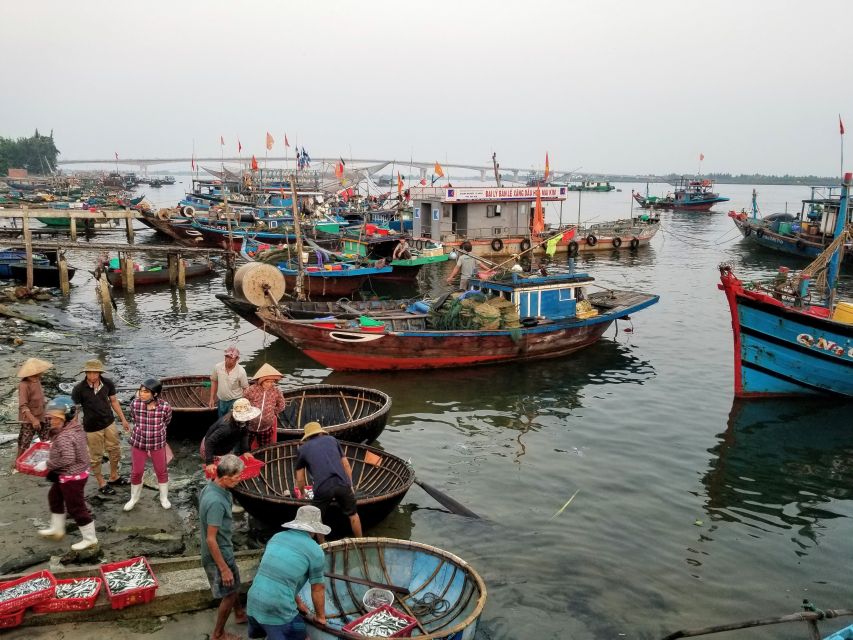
782 351
758 234
43 275
145 278
379 488
352 414
188 396
316 285
417 567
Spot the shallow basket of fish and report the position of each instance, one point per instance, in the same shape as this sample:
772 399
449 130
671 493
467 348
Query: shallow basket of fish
73 594
129 582
27 591
12 620
30 458
383 622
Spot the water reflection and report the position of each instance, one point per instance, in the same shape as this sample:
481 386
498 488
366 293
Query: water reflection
782 465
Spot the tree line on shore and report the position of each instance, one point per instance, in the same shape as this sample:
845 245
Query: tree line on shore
37 154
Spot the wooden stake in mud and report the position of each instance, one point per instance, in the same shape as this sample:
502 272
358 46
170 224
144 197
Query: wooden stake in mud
64 284
182 273
172 260
28 245
297 226
106 302
129 224
127 273
73 227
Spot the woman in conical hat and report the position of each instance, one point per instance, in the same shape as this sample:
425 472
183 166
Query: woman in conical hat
266 396
31 403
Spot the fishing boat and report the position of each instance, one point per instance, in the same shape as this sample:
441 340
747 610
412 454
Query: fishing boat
352 414
8 257
157 274
44 275
805 234
379 243
554 316
189 397
380 480
691 194
792 336
176 227
630 233
591 185
442 592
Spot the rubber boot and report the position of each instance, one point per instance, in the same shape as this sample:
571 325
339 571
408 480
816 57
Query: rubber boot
135 495
89 537
164 495
57 527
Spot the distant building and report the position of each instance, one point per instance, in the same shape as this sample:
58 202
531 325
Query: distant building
17 173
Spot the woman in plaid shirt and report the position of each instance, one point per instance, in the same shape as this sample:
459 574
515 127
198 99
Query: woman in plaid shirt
151 416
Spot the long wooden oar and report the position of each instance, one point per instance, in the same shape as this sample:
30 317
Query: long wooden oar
445 500
370 583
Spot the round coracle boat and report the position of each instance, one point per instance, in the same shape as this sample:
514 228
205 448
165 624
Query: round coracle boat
380 479
441 593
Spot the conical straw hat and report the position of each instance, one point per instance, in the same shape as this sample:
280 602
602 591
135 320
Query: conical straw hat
267 371
32 367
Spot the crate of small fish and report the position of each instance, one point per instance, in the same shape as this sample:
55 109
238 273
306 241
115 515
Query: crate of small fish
73 594
30 458
27 591
383 622
12 620
129 582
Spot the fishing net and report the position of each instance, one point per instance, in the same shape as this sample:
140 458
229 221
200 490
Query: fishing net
474 311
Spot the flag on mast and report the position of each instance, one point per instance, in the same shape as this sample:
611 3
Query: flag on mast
547 167
438 170
840 125
192 161
270 141
286 142
538 215
239 146
254 163
221 141
701 157
399 184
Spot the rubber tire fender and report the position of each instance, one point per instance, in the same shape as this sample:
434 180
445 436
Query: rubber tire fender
524 245
747 231
591 240
617 242
573 248
635 242
759 233
188 211
497 244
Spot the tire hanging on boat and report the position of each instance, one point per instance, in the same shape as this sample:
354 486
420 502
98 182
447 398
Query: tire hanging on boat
591 240
188 211
573 249
617 242
759 233
747 231
524 245
635 242
418 244
497 244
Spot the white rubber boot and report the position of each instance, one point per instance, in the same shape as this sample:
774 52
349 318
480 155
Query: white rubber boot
89 537
57 527
135 495
164 495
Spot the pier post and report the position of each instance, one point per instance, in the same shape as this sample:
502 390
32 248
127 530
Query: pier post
28 246
129 223
62 263
106 301
229 270
73 227
127 273
182 273
172 263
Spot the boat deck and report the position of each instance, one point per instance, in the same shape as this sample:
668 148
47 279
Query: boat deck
615 301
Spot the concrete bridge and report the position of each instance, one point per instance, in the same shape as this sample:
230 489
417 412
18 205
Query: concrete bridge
371 166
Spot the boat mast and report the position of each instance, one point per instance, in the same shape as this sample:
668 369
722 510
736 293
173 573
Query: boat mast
496 167
840 224
754 204
300 270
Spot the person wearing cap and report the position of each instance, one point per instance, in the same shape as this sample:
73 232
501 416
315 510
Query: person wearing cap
96 394
31 403
266 396
322 457
151 416
68 470
291 559
228 381
229 434
217 550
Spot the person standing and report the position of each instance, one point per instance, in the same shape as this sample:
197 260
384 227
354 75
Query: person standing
291 559
68 470
96 394
31 403
466 265
266 396
217 550
321 455
151 416
228 381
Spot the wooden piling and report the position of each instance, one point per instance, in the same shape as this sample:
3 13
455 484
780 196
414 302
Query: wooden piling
106 302
64 284
73 227
172 260
229 269
28 245
129 222
127 273
182 273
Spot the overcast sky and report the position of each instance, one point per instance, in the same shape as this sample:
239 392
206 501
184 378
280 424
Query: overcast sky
613 86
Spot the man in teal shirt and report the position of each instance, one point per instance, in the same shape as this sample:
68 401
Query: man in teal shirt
217 551
291 559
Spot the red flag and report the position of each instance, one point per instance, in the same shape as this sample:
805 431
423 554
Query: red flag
538 215
269 141
701 157
547 167
842 131
569 235
840 125
423 182
286 143
221 141
399 184
438 170
239 146
192 162
339 170
254 163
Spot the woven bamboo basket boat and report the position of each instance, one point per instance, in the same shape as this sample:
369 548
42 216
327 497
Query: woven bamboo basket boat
188 397
379 486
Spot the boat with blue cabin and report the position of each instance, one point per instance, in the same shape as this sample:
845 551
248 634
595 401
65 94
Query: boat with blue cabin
691 194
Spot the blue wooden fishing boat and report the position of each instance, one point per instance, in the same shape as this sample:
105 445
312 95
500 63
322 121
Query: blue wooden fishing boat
529 317
9 257
792 336
805 234
690 195
442 592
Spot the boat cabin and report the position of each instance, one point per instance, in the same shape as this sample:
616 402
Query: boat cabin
552 297
450 214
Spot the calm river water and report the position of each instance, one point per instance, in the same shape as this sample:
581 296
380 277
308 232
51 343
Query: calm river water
691 509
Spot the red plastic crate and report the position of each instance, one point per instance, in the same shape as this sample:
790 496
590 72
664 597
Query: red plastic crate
405 632
70 604
251 469
131 596
12 620
23 467
22 602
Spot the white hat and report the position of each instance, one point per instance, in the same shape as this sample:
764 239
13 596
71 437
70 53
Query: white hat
308 519
243 411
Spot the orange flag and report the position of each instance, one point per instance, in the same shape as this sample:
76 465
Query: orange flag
538 215
269 141
399 184
254 163
221 141
547 167
286 143
438 170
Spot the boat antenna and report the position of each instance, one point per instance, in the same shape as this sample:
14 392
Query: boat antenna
496 167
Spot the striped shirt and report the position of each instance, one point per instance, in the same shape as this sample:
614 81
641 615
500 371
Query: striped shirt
149 425
69 453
